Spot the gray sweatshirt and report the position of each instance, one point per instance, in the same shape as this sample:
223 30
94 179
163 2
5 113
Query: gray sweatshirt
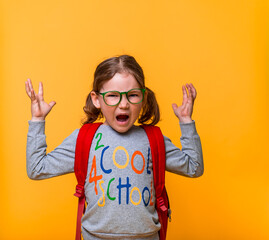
119 185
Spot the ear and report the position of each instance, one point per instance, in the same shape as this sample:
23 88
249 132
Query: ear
95 99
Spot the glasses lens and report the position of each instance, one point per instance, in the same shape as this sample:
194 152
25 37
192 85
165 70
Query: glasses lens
135 96
112 98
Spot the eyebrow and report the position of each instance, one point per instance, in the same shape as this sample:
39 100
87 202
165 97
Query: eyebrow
120 91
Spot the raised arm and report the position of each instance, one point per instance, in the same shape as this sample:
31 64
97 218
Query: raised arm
39 164
189 160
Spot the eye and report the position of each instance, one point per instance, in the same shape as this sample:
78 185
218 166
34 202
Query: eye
112 94
134 94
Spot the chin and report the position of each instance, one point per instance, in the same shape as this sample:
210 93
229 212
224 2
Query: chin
122 129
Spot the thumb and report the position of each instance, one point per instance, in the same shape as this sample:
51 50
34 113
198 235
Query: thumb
174 106
52 103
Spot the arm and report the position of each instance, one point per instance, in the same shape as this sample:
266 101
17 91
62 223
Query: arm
189 160
39 164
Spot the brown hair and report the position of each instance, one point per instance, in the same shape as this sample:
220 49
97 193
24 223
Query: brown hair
106 70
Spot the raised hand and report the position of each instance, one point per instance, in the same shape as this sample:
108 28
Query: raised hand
39 108
184 111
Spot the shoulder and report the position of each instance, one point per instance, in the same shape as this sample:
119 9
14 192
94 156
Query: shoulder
71 138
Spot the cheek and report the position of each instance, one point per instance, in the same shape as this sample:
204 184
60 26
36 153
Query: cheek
138 109
107 110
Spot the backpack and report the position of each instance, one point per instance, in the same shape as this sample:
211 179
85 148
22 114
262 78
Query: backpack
83 145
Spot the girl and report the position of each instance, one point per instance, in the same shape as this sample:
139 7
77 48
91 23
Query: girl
120 199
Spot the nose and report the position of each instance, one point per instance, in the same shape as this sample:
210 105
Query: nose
124 103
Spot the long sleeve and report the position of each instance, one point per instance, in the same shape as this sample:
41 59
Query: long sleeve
189 160
41 165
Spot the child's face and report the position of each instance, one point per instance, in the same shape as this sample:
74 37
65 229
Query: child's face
122 116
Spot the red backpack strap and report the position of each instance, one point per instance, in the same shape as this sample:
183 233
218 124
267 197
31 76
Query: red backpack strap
83 146
157 147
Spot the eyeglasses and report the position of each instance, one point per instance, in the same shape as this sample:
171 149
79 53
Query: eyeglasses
134 96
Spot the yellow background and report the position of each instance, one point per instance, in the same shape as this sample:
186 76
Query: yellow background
219 46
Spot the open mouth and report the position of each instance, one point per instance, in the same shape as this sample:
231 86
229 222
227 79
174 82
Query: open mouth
122 118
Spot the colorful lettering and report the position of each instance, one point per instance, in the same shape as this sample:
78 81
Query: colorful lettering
127 186
127 157
132 162
101 162
143 196
131 199
111 198
95 178
148 171
121 162
97 144
103 196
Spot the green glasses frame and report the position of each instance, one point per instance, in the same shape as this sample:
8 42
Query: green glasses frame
126 93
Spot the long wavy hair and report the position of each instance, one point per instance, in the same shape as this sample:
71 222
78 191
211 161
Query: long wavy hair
150 113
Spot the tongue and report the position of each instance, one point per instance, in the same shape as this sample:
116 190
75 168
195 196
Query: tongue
122 118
